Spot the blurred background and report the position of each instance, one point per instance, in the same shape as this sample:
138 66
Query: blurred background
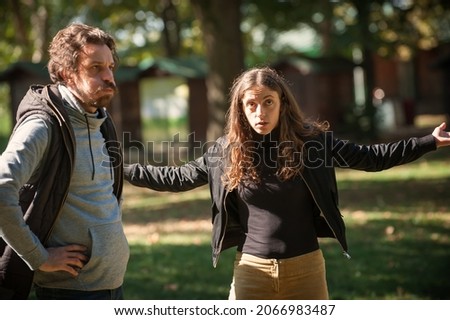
371 68
376 70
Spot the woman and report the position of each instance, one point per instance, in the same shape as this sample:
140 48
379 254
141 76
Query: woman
273 187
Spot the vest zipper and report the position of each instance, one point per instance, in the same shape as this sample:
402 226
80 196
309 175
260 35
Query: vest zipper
71 173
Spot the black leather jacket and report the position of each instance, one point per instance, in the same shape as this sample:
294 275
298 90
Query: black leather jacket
324 153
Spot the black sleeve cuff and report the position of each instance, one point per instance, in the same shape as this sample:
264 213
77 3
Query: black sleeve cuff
427 143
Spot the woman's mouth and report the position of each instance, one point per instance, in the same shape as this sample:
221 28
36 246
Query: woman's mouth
261 124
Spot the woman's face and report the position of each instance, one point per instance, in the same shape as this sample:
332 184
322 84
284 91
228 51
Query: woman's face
262 108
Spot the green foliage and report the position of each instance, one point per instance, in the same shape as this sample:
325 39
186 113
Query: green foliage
139 26
357 123
388 28
270 29
5 117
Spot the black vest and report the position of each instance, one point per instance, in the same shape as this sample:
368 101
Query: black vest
41 200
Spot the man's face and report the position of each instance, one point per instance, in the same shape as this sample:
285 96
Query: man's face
94 84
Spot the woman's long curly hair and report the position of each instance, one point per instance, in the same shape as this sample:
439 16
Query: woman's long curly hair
67 45
293 127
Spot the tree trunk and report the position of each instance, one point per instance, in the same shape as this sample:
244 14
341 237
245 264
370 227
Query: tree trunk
220 22
367 63
39 19
171 31
19 25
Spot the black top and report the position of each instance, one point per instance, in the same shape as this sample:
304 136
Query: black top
277 216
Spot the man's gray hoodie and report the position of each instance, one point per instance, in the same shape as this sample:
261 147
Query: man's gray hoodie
91 214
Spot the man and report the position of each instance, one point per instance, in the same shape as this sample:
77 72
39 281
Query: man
61 179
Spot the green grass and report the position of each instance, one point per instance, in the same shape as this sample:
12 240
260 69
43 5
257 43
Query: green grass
398 225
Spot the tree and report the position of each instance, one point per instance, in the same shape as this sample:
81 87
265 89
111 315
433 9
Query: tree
368 28
173 28
220 22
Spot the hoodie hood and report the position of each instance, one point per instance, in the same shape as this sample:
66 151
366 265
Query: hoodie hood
44 101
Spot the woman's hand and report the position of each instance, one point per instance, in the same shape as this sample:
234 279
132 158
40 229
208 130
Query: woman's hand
441 136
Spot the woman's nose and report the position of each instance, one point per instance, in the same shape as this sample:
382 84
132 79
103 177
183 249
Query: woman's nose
259 110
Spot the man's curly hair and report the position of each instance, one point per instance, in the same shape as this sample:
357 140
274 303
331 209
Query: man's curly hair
67 45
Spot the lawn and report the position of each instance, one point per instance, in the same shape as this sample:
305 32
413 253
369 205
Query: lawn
398 225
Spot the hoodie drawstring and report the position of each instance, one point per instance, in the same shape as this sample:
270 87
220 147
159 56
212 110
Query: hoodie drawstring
90 146
111 170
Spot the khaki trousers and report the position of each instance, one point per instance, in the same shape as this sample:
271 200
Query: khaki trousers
298 278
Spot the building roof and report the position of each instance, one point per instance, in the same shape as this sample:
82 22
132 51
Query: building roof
192 67
187 67
307 65
38 69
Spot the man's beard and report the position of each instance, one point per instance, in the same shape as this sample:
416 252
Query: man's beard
101 102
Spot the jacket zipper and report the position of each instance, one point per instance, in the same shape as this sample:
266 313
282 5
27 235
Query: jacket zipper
224 228
345 253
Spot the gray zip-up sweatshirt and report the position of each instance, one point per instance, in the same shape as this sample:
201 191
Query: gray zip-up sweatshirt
91 215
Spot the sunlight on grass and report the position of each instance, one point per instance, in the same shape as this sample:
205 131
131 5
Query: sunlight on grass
418 170
398 231
170 232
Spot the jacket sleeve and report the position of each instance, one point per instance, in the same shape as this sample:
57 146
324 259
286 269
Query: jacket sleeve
377 157
168 178
18 163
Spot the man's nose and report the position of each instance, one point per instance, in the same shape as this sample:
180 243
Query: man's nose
108 76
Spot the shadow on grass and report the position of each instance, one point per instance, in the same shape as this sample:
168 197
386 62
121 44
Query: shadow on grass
410 263
409 196
399 241
187 209
175 272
